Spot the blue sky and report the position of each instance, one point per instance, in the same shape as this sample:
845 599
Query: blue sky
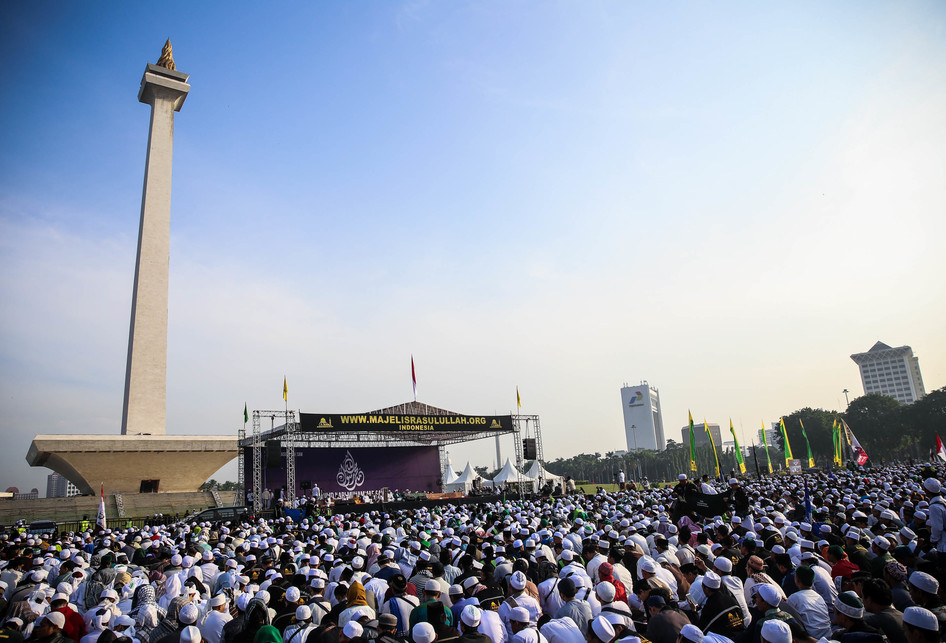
725 199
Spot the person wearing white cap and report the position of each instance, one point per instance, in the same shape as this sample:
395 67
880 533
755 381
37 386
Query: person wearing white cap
422 633
470 619
721 614
924 590
920 625
299 631
600 631
48 628
98 624
517 598
523 630
690 633
218 615
191 634
562 630
776 631
937 513
723 567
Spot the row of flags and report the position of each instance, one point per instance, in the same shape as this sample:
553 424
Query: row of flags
841 433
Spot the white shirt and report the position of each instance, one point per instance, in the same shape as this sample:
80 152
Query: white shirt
562 630
211 630
812 611
492 626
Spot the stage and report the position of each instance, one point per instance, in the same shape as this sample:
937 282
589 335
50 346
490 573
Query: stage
341 455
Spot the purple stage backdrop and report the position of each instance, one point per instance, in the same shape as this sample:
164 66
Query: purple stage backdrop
359 469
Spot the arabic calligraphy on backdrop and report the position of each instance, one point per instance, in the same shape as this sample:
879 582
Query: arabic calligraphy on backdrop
350 476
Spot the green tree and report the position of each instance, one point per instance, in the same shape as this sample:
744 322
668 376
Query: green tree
877 422
817 427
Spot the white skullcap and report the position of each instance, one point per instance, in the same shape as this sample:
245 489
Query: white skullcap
517 581
353 629
303 613
711 580
188 614
176 560
57 619
602 629
421 633
190 634
293 594
648 566
922 618
692 633
519 614
776 631
723 564
471 615
769 593
218 600
605 591
924 582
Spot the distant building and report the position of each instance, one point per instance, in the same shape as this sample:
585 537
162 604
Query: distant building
891 371
57 486
32 495
700 434
643 421
770 434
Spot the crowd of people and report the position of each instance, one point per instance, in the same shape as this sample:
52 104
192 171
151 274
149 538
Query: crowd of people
851 556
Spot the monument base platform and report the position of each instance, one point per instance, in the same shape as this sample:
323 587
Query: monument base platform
133 463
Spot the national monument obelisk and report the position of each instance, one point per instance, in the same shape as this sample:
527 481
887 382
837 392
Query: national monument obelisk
145 407
144 459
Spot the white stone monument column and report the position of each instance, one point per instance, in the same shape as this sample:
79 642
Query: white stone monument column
145 407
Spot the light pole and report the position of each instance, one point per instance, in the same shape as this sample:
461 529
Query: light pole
634 429
847 402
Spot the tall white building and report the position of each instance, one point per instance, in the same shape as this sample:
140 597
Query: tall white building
891 371
643 421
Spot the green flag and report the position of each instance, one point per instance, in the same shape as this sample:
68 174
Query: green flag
246 414
788 447
735 441
811 460
766 445
712 444
692 444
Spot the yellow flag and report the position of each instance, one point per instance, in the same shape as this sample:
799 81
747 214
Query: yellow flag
788 447
285 389
713 444
518 399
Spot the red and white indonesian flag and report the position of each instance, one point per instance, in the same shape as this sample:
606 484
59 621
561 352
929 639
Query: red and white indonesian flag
860 455
940 449
100 518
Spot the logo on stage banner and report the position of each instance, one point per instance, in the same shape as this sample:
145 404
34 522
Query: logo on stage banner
350 476
794 466
325 424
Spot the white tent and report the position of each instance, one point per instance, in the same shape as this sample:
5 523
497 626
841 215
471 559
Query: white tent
449 475
465 481
507 475
539 475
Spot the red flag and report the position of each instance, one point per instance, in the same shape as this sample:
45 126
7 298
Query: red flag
940 449
859 453
414 378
